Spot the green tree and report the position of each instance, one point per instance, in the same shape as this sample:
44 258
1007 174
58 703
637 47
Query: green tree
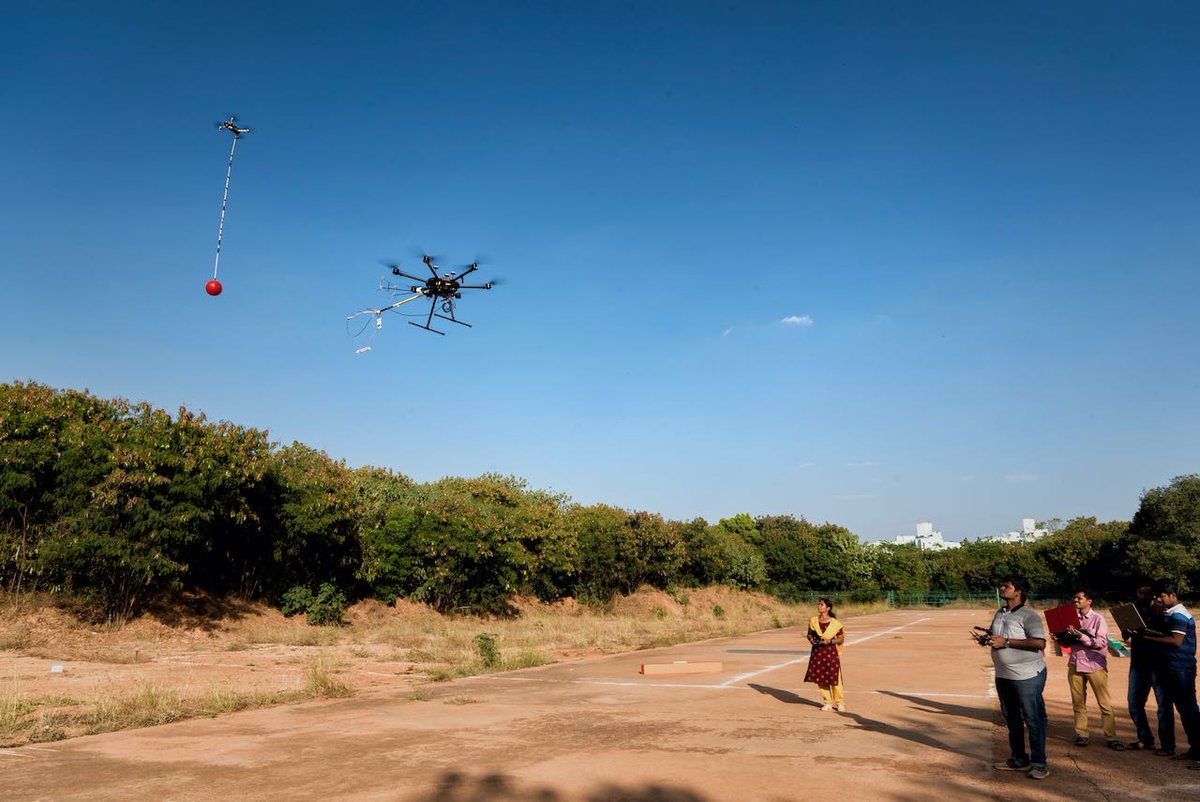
902 567
316 528
1085 553
1165 532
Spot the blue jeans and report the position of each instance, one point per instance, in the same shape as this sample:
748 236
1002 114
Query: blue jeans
1179 691
1141 680
1023 708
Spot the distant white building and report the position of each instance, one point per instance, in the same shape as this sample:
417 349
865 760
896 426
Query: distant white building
1028 533
926 538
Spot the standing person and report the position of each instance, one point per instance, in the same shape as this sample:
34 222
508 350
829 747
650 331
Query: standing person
1088 666
1017 640
827 635
1177 666
1144 655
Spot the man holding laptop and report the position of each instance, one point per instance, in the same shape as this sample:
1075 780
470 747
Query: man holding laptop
1177 667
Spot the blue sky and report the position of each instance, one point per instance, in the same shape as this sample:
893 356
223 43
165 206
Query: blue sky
871 263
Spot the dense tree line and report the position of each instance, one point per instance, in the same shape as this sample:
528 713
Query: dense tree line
119 503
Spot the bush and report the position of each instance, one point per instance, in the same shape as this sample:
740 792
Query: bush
485 645
326 607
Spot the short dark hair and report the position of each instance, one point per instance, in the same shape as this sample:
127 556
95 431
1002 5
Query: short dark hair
1018 582
1087 594
1167 586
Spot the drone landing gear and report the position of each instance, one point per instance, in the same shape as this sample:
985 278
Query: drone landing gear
427 327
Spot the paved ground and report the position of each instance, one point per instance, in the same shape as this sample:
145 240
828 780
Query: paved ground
922 722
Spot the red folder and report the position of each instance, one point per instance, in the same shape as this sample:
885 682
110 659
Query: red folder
1062 618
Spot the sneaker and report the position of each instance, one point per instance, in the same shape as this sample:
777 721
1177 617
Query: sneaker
1038 773
1080 740
827 707
1115 745
840 707
1012 764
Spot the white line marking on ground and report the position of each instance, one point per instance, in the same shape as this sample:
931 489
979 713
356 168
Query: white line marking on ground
852 642
931 694
617 683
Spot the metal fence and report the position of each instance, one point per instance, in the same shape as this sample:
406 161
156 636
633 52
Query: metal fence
897 598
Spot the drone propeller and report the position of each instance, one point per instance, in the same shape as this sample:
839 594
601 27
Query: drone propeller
426 257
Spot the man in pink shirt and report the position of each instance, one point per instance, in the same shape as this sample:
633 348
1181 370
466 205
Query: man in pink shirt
1089 666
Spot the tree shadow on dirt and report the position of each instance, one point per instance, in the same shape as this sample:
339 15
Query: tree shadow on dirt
944 708
455 786
787 697
198 610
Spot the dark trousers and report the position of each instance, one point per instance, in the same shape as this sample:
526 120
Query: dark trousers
1141 681
1024 708
1179 691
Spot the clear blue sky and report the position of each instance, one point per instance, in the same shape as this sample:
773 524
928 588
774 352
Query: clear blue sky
867 262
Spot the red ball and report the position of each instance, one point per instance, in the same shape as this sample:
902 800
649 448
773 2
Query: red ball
213 287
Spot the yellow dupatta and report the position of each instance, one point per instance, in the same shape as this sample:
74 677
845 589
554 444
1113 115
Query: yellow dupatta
831 630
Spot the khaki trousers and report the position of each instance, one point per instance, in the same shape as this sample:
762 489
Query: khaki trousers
1099 682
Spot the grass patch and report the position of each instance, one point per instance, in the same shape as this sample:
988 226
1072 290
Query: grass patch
319 678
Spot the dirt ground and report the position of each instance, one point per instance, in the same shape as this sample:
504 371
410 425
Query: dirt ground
922 721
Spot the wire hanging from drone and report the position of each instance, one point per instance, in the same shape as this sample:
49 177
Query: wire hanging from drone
377 315
213 287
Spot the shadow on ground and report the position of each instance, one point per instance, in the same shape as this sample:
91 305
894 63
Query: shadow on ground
787 697
455 786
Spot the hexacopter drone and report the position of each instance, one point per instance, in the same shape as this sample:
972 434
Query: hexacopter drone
442 290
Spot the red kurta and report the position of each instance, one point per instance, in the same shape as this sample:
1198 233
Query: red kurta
824 667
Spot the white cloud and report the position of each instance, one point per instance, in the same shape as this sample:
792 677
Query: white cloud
797 320
1021 477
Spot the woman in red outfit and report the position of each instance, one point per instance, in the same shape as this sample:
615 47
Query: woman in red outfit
827 635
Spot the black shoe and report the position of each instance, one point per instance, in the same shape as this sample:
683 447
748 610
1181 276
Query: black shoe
1012 764
1080 740
1116 745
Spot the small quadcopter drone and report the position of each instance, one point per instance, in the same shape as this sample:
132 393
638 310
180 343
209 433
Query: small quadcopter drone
442 290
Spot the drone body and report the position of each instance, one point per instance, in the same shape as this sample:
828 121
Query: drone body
442 290
445 286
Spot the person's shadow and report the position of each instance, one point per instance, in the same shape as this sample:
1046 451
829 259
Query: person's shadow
910 732
787 697
977 713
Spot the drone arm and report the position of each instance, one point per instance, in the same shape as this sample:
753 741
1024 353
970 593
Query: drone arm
487 286
398 272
